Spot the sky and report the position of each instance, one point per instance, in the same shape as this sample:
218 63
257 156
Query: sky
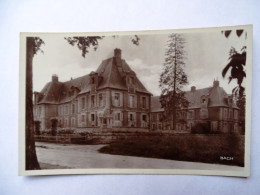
207 54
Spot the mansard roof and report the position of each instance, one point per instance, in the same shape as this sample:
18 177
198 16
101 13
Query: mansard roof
217 97
111 73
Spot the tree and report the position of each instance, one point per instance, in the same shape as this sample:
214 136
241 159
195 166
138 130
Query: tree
173 78
84 43
33 45
237 61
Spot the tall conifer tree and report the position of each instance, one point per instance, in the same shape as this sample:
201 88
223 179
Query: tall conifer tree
173 78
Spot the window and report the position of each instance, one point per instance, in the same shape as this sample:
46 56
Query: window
82 118
154 116
39 112
230 114
131 80
61 110
100 99
160 116
72 121
92 117
92 101
191 114
92 80
131 117
225 113
83 103
117 99
131 101
235 114
159 126
67 109
118 116
143 102
73 109
144 117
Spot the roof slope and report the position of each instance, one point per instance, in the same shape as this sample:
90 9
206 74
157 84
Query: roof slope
216 96
112 71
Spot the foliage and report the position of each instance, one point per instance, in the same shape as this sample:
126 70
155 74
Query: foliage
200 128
237 61
173 78
37 125
85 43
194 148
66 131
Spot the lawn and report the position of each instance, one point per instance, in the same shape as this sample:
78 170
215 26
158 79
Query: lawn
188 147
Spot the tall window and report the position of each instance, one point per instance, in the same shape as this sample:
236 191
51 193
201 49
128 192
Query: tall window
100 99
131 101
39 111
92 117
92 101
235 114
117 99
118 116
225 113
191 114
230 114
82 118
154 116
143 102
144 117
131 117
73 109
83 103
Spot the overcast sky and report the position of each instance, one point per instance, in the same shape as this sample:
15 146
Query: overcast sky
207 55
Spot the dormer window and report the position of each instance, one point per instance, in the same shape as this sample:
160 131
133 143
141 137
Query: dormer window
131 80
92 80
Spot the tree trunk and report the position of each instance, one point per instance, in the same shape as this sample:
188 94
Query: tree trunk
31 158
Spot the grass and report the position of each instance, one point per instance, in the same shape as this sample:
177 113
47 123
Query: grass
194 148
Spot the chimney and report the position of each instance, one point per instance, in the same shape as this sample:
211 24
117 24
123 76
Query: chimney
216 84
193 89
117 53
55 78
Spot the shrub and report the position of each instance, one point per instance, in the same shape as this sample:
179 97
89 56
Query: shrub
37 127
54 123
200 128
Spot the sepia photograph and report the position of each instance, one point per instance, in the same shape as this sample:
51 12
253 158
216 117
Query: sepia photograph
140 102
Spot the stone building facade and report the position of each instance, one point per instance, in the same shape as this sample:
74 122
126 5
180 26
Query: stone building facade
111 97
211 106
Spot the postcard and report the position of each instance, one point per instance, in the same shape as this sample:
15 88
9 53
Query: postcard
136 102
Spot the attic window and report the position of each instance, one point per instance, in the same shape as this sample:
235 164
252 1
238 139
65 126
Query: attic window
92 80
131 80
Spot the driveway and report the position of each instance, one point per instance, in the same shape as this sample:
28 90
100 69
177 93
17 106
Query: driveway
87 156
